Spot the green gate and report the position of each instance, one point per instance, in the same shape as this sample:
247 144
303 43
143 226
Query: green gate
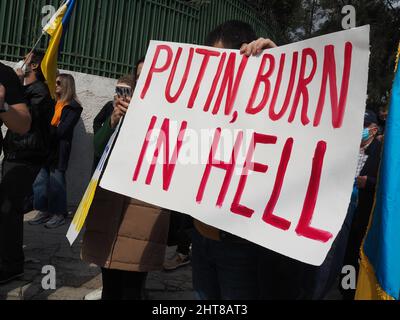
106 37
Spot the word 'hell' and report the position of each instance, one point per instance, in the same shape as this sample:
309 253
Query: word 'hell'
303 228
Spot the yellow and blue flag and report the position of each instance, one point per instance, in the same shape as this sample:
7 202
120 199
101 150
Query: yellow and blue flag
56 29
379 277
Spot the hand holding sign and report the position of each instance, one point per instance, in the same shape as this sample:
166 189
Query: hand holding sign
256 47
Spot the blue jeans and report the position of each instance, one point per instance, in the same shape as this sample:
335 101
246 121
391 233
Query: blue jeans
223 270
50 192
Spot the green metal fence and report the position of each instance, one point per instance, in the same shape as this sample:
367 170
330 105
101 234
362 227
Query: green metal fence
106 37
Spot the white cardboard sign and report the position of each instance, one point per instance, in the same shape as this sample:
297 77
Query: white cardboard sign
263 147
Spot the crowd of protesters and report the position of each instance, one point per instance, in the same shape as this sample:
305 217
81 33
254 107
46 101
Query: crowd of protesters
127 238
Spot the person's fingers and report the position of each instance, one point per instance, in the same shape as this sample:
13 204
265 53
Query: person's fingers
262 44
256 47
122 106
243 48
121 109
127 101
269 44
19 72
257 50
121 102
249 49
272 44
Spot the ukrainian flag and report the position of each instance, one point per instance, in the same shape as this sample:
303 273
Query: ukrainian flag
379 277
56 28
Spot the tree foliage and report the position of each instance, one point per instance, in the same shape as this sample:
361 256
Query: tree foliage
301 19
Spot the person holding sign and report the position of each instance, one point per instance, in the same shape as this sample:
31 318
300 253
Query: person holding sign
277 141
225 267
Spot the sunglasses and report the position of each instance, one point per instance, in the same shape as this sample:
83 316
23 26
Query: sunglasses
58 83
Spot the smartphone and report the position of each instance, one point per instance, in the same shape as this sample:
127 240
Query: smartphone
123 92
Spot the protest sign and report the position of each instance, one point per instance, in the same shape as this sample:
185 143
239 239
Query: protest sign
263 147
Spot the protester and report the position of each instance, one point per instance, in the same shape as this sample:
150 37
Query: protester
26 154
125 237
50 193
367 172
32 148
225 267
13 189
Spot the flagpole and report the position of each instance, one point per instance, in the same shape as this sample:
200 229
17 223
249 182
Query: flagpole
33 49
40 38
37 43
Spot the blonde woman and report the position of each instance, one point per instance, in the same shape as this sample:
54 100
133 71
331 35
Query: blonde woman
50 193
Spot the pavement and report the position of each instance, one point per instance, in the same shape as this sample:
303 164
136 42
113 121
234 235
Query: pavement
75 278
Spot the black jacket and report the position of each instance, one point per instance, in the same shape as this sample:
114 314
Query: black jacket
365 203
366 196
61 137
14 91
103 116
32 147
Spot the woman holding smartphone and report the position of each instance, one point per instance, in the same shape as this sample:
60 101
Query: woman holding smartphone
50 192
127 238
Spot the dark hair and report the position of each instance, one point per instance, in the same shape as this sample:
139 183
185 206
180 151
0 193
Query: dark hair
233 34
37 58
140 61
129 80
